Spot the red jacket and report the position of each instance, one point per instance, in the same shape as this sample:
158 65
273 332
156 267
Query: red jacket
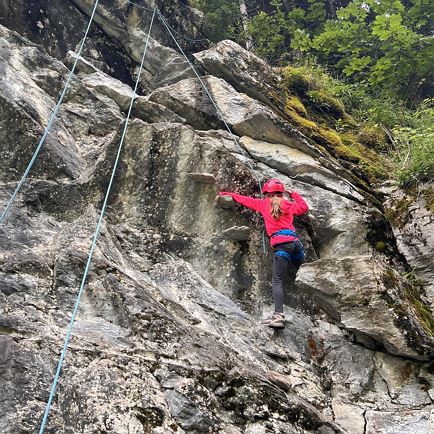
290 209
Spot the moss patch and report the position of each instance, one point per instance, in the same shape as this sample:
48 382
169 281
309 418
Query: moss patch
373 164
398 215
311 128
326 103
313 108
342 146
421 310
296 81
294 103
373 137
428 195
380 246
410 301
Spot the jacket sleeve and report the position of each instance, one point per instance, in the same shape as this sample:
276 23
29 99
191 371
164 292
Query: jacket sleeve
300 206
247 201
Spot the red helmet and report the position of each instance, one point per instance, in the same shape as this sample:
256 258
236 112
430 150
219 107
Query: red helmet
273 186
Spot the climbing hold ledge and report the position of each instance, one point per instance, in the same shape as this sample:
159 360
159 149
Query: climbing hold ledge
237 233
205 178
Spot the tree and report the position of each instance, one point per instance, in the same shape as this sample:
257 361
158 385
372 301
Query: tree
222 19
386 44
381 43
245 23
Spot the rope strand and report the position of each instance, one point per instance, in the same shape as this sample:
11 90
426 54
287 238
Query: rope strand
249 165
50 122
163 20
95 237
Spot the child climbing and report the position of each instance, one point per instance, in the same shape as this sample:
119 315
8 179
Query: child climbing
278 214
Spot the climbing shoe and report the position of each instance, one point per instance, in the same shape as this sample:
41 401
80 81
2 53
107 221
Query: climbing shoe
277 321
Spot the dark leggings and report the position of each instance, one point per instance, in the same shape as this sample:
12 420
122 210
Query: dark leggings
280 269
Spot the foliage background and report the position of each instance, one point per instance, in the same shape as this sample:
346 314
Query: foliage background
375 56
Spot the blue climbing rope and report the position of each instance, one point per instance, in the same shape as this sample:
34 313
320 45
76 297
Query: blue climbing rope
95 237
139 6
179 34
163 20
50 122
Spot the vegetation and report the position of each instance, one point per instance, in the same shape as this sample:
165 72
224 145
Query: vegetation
222 19
362 67
409 286
386 44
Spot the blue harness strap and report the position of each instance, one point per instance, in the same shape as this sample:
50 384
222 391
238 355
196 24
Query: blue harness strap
283 254
296 257
285 232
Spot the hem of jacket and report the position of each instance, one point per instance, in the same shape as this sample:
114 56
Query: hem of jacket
280 239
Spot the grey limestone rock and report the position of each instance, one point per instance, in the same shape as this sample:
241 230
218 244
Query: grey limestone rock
110 87
413 226
237 233
368 297
204 178
246 115
167 337
417 421
152 112
244 71
225 202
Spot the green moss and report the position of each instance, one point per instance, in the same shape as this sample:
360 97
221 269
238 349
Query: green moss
323 102
294 103
373 137
343 146
428 195
296 80
421 310
411 299
372 164
398 214
305 125
323 136
331 137
380 246
366 164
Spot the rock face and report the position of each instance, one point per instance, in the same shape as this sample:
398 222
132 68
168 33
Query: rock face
167 338
413 226
369 298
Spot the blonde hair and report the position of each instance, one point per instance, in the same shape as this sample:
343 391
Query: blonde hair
276 209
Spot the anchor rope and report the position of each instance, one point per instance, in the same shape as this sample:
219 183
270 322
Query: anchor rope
50 122
93 246
234 138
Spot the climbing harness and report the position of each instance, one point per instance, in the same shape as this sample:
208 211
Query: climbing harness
297 254
95 237
283 254
287 255
285 232
50 122
291 256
